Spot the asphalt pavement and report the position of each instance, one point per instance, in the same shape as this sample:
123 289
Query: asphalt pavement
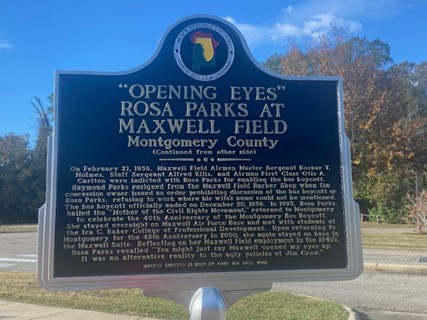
374 260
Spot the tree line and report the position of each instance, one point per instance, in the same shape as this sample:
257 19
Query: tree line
23 170
385 106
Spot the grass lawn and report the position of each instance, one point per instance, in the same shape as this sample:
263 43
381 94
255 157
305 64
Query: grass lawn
11 228
22 287
406 241
394 237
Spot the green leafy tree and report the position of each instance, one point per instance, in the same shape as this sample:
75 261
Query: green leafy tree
23 172
384 115
15 178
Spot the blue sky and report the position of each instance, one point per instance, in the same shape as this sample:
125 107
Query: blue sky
39 37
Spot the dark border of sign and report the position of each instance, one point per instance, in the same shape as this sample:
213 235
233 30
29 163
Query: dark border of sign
225 281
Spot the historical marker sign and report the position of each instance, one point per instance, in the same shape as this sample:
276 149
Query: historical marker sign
196 169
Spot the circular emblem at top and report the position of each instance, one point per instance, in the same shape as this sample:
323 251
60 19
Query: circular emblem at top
204 51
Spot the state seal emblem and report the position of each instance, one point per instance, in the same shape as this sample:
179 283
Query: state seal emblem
204 51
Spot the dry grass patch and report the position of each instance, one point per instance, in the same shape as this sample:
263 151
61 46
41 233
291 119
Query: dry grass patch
396 241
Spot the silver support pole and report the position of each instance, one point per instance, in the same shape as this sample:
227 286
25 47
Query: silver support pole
208 303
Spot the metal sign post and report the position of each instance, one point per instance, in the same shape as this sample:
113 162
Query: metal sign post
208 303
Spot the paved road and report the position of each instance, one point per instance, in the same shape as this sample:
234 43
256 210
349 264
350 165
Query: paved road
18 251
371 292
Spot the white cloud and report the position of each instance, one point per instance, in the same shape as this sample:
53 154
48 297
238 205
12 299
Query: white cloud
282 30
252 33
345 9
279 32
312 18
4 45
289 9
322 22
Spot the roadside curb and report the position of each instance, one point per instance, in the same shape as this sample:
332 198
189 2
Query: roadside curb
395 268
352 315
